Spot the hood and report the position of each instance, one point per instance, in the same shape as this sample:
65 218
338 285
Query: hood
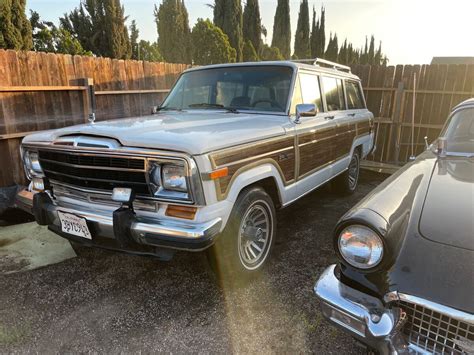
448 211
420 208
189 132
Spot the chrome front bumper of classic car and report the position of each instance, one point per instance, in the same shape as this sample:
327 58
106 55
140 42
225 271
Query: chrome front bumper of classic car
143 231
363 316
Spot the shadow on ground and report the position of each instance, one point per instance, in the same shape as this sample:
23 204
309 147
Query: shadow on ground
106 302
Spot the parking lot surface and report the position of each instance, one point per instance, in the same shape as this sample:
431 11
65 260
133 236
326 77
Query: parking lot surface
108 303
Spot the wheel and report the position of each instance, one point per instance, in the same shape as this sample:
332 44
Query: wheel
245 245
346 183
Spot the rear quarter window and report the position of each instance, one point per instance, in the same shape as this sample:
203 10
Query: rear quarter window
354 96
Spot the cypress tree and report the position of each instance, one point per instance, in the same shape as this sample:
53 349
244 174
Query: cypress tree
314 35
371 53
302 45
228 17
378 55
322 35
15 28
249 53
174 35
252 25
282 29
134 33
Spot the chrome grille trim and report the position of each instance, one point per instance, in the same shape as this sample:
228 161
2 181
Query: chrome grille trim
436 328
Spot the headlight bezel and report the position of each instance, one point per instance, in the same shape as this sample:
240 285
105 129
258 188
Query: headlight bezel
354 264
162 190
32 167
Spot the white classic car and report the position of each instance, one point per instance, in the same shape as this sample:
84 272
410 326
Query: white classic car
229 145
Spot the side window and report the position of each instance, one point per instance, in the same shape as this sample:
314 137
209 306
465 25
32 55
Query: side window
354 96
310 90
334 93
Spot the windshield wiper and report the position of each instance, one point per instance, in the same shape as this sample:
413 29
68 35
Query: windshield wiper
205 104
166 108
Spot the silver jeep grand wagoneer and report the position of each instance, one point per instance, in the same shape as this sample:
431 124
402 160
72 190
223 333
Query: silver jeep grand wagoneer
229 145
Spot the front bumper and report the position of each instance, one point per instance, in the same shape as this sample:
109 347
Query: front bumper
361 315
145 234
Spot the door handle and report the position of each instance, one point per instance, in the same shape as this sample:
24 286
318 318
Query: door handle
351 114
329 117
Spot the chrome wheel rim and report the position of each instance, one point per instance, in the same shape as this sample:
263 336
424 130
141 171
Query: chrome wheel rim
353 172
255 235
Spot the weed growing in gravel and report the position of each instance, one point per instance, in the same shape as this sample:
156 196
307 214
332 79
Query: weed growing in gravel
11 336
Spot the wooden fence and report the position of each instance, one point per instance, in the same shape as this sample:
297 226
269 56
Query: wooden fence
40 91
390 96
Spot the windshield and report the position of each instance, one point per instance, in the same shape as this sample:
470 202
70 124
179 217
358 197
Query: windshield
259 88
459 132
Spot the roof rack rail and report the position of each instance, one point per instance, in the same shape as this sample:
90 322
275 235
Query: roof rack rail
324 62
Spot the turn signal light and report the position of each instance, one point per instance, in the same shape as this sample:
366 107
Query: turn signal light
216 174
184 212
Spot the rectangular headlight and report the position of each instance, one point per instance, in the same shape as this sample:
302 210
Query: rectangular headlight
32 164
174 177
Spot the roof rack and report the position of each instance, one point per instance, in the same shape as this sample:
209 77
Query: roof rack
323 62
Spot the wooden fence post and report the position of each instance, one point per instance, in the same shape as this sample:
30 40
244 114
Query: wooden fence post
89 99
395 131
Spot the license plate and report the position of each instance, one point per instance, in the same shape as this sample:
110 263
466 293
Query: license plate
74 225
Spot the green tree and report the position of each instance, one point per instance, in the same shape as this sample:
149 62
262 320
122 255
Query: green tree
15 28
371 53
134 33
252 26
99 25
281 38
48 38
228 17
210 44
249 53
332 50
314 38
174 35
321 49
149 52
271 53
302 45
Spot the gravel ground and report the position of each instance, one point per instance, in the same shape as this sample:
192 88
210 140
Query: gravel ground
109 303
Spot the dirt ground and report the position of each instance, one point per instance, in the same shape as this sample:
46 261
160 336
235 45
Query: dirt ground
110 303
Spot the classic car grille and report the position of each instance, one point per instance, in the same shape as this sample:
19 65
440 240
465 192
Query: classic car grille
95 171
436 332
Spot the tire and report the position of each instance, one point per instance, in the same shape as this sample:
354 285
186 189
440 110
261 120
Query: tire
346 183
244 247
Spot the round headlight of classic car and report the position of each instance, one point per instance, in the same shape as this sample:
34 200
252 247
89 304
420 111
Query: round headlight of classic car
174 177
360 246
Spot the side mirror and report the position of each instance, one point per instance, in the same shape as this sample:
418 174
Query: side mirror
442 146
305 110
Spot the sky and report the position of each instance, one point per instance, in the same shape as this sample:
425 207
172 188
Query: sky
411 31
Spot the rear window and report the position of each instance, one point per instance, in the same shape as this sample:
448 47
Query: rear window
334 93
354 96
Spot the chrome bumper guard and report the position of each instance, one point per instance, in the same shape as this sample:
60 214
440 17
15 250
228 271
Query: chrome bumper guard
363 316
145 231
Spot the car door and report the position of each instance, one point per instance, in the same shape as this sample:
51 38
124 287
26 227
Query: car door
344 128
314 136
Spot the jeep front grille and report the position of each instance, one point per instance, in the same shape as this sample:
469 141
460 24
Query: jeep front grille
435 332
95 171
